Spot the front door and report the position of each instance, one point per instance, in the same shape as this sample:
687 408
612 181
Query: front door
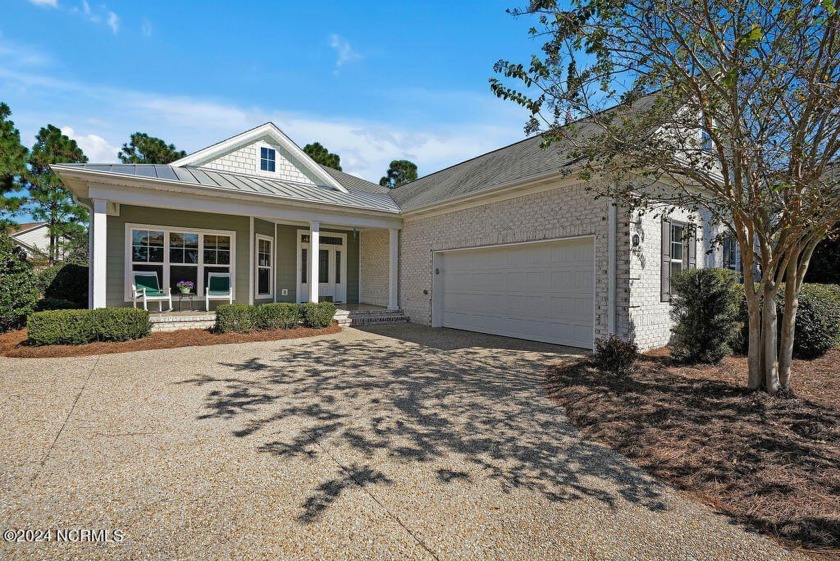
332 267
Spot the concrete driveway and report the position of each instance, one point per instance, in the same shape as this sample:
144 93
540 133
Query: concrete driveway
395 442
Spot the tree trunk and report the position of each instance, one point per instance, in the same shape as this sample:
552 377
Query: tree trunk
788 324
754 344
769 357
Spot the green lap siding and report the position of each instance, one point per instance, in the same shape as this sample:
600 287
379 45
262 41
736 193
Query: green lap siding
116 242
286 262
285 252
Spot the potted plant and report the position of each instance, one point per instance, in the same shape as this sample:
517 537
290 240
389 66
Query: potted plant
185 286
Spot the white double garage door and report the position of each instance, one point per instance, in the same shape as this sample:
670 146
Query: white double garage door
542 291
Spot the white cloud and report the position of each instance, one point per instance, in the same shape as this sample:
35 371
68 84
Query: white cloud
50 3
113 22
19 54
344 52
100 16
96 148
147 28
106 117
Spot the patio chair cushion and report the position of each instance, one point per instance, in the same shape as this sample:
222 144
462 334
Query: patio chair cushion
150 283
219 286
154 293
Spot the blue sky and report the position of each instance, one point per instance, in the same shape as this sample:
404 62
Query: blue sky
373 81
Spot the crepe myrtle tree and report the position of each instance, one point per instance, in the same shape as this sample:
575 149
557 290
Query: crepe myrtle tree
734 105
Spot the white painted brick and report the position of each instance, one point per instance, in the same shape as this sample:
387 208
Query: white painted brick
373 267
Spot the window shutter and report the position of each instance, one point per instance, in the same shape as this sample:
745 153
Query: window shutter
691 254
665 275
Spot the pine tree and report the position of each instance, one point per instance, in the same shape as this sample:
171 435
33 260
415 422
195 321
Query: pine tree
12 165
48 199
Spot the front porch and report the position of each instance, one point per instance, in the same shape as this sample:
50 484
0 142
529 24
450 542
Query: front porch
355 261
348 315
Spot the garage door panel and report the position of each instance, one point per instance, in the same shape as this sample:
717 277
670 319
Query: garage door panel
540 291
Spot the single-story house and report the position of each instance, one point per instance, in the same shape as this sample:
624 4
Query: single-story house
506 243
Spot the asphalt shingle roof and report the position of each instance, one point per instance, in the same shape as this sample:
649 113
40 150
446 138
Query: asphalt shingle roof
518 162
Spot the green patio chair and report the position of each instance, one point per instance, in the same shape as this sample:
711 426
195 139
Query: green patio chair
145 287
218 288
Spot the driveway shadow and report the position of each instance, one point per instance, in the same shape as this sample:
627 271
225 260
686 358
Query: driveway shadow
421 405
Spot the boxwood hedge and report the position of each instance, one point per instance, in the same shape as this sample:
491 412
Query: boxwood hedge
77 327
242 318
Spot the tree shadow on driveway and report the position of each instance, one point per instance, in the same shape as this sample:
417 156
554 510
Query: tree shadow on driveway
388 401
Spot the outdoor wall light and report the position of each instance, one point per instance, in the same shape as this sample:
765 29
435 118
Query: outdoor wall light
636 240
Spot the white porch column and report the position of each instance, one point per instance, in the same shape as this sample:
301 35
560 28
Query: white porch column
252 261
99 221
393 268
314 239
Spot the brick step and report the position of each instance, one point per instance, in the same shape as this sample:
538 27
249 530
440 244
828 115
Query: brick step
357 318
166 322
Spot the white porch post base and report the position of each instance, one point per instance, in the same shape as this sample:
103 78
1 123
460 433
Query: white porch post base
314 239
100 224
393 268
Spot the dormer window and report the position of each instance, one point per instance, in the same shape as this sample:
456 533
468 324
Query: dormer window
267 158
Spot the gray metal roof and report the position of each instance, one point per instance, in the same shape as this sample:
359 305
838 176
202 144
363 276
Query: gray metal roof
190 175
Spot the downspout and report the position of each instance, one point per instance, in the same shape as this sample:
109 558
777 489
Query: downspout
611 267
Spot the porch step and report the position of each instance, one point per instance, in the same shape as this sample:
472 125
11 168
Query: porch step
182 320
357 318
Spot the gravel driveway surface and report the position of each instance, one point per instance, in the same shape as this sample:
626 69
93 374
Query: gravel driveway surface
398 442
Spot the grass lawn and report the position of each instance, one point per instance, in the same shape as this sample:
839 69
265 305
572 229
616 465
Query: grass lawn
771 463
13 344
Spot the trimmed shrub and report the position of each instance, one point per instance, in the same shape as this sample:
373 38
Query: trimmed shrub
238 318
277 316
120 324
317 315
55 304
77 327
704 307
18 285
66 282
615 355
817 328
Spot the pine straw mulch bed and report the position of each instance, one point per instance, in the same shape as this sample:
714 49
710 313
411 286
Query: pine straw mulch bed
772 463
13 344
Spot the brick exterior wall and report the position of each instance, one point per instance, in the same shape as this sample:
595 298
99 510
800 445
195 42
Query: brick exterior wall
649 319
567 211
558 213
247 160
373 267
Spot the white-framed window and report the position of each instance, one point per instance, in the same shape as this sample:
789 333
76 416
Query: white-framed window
677 248
264 264
178 254
268 157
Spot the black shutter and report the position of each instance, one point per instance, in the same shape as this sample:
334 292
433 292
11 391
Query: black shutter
665 276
